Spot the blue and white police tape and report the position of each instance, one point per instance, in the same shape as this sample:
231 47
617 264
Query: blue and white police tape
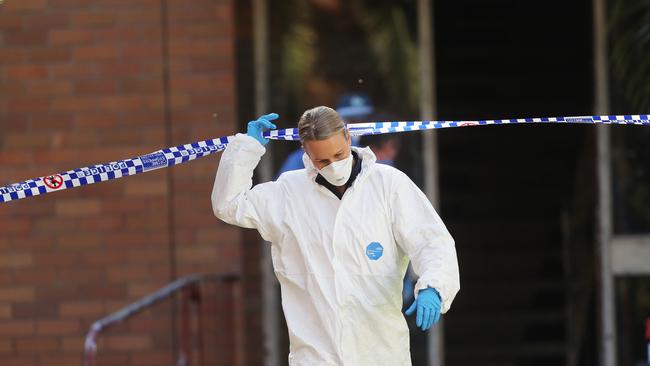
184 153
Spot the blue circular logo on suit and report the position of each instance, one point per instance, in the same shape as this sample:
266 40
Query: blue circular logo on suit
374 251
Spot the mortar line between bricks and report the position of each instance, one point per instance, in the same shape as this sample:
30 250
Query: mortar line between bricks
164 28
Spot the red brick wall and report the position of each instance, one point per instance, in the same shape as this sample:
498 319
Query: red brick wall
83 82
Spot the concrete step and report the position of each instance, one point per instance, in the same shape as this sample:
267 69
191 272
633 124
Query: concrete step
513 327
508 352
477 263
496 190
469 319
516 285
507 301
506 333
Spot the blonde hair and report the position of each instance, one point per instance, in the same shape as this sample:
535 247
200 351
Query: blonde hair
320 123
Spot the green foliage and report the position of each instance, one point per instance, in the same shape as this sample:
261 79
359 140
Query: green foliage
629 55
629 59
385 56
396 50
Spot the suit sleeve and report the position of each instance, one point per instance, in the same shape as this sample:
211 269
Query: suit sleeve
234 199
423 236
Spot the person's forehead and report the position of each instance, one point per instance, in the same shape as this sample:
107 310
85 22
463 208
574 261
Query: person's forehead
327 147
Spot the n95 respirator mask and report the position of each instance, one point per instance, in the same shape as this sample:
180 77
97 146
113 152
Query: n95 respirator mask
338 172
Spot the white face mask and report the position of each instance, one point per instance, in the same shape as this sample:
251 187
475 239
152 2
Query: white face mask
338 172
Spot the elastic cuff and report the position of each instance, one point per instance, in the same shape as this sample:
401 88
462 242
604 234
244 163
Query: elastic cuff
249 144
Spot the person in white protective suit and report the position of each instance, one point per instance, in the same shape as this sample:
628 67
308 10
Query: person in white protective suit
342 231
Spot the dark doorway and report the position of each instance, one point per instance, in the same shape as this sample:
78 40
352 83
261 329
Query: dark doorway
518 199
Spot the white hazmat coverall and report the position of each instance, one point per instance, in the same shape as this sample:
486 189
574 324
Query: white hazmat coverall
340 262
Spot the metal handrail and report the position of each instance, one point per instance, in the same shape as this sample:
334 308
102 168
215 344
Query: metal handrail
190 282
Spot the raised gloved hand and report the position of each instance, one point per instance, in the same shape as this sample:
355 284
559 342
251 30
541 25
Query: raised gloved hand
428 308
263 123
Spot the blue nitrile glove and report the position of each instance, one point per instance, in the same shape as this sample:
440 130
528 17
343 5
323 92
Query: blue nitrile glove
263 123
428 306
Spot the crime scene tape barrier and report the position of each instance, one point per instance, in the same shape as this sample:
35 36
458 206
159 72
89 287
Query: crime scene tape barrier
183 153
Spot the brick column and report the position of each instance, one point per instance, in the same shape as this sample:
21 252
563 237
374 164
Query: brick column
82 82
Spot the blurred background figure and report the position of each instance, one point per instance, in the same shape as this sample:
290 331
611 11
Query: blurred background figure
386 147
